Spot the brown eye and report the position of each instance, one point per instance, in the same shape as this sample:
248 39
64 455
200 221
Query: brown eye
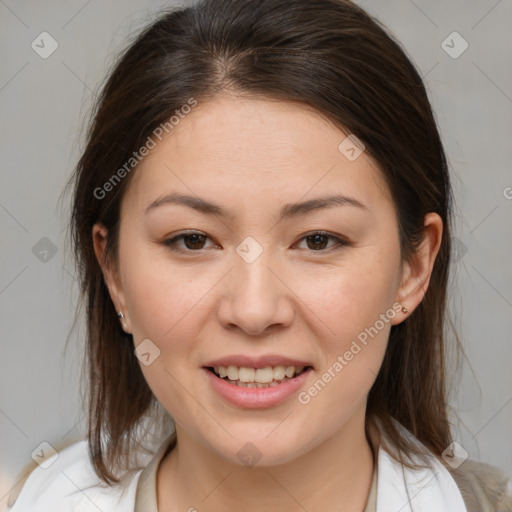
191 241
194 241
319 241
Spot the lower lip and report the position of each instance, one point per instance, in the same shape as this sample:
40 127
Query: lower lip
256 398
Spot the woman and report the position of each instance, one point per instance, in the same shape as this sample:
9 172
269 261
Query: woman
261 219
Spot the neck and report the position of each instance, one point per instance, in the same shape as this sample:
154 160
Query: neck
336 474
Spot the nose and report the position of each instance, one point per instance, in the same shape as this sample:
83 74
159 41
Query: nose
256 297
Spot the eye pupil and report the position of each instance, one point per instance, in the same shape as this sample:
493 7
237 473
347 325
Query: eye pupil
195 239
317 239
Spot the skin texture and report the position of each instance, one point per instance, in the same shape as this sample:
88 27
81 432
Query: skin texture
307 300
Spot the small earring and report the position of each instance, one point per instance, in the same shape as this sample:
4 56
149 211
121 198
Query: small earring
120 315
404 309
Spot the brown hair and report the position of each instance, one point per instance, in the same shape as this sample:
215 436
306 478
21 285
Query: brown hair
327 54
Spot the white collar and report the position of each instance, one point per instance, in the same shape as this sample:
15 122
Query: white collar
402 489
399 488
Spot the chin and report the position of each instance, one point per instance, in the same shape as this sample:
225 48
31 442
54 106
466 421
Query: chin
260 447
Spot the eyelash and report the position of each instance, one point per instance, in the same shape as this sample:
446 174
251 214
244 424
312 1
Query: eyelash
340 242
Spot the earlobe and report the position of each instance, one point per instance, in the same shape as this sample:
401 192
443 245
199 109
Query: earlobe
110 274
417 272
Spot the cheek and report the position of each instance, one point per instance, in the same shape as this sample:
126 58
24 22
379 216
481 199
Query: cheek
350 297
162 298
353 309
351 351
165 307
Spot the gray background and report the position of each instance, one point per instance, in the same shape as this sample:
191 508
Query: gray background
43 106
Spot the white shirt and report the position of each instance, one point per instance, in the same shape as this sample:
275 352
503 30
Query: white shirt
70 484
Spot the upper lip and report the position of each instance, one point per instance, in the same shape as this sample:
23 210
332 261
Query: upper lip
256 362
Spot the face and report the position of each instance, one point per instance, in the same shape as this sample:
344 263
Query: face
254 283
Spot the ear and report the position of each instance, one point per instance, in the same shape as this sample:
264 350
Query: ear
110 274
416 274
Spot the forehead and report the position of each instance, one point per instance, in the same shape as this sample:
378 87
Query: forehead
252 149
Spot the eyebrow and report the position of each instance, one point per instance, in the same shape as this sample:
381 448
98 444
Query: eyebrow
287 211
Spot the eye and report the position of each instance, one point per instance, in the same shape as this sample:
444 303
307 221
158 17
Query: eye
318 240
193 242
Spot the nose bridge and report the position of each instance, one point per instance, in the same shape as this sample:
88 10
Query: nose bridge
256 297
254 279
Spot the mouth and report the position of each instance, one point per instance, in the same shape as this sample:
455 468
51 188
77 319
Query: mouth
264 377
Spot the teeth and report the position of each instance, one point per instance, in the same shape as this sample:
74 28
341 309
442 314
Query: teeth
256 384
279 372
246 374
232 372
254 377
264 375
290 371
